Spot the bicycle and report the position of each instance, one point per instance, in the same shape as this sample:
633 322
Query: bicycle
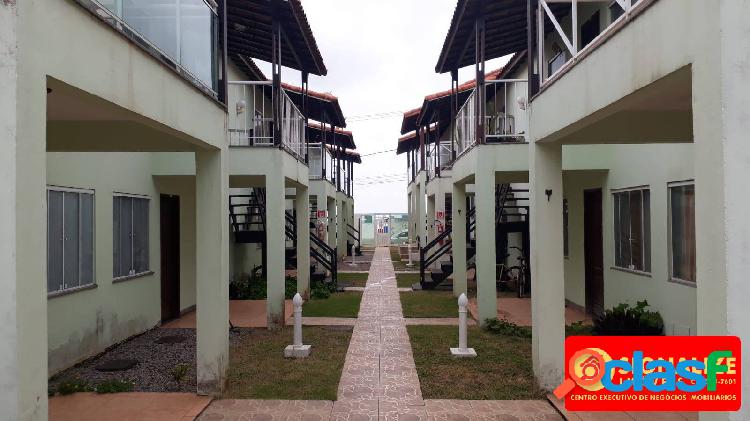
519 274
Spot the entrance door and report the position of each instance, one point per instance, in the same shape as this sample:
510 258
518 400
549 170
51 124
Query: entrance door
593 252
170 257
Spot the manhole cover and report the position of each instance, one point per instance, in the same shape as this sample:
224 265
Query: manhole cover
173 339
116 365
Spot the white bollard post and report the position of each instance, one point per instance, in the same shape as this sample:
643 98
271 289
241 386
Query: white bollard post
463 350
354 254
297 350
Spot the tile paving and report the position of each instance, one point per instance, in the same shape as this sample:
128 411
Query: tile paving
379 380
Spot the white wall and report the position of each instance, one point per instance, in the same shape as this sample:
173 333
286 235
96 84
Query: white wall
632 165
84 323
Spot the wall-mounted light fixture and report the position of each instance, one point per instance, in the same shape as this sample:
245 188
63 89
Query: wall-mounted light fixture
548 192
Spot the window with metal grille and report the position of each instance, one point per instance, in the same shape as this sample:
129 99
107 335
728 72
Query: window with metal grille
70 239
130 235
632 225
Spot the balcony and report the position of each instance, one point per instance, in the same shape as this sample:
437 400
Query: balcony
503 115
321 163
252 122
560 48
185 33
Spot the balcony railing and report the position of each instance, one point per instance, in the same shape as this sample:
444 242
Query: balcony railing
251 121
505 118
618 10
443 149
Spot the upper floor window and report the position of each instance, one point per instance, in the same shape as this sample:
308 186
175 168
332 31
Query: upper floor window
130 235
70 239
682 232
632 225
185 30
615 11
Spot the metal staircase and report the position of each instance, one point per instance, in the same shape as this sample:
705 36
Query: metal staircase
247 215
511 215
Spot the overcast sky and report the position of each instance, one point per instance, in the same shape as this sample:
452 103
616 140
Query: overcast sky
381 58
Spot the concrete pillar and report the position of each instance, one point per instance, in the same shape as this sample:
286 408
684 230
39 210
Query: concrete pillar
331 222
419 212
410 217
431 218
458 239
23 228
720 126
212 271
275 249
484 201
302 208
547 271
341 221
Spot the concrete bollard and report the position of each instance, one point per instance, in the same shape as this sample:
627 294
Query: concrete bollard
354 254
463 350
408 247
297 349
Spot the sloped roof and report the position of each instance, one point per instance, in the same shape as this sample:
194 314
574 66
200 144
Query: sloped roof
250 29
342 137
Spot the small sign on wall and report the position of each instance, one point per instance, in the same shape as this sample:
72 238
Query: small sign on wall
322 213
439 214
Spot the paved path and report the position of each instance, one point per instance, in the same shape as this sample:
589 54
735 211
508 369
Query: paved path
379 380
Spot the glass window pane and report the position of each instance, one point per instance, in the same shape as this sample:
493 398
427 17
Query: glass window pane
87 239
196 39
140 235
70 244
54 241
125 260
624 227
682 201
155 20
647 230
636 230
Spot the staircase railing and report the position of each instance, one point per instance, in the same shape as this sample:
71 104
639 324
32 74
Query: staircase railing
427 257
353 233
442 244
319 250
325 255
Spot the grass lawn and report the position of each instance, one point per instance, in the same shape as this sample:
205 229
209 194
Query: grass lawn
429 304
353 279
406 280
339 304
395 256
501 371
258 369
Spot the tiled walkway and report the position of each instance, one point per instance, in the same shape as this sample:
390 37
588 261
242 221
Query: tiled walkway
379 380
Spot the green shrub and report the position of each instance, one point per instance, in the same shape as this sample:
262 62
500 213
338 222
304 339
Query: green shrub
254 286
506 328
180 371
114 386
578 329
625 320
290 287
71 386
320 292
